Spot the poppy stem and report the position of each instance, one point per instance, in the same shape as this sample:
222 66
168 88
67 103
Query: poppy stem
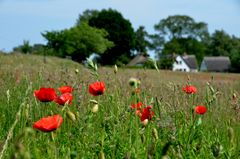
52 136
64 107
158 105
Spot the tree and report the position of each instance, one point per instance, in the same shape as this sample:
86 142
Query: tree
219 44
185 45
178 27
179 34
78 42
120 32
24 48
222 44
141 42
86 16
181 26
38 49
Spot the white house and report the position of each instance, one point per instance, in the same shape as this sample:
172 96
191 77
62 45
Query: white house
185 63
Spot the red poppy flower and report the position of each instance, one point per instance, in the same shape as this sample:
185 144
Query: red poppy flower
200 109
45 94
96 88
147 113
137 105
64 98
47 124
65 89
189 89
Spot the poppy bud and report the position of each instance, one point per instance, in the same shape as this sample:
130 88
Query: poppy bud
145 122
71 115
155 133
165 157
95 108
76 71
115 69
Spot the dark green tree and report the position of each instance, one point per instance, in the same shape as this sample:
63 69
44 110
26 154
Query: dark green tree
219 44
78 42
222 44
181 26
38 49
120 32
25 48
141 43
165 63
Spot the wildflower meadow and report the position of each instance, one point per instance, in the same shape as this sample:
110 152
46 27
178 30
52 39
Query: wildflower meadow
56 108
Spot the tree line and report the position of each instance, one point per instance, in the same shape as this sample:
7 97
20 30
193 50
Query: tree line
109 35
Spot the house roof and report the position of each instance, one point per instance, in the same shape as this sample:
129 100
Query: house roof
191 61
138 59
217 63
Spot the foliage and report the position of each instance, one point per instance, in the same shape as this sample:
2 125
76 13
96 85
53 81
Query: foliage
86 16
222 44
185 46
24 48
181 26
39 49
235 60
165 63
79 42
120 32
149 64
141 42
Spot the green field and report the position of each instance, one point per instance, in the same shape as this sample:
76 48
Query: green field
115 131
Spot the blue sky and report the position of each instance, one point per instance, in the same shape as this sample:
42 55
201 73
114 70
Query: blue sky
26 19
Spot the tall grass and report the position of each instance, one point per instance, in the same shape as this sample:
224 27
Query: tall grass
115 131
